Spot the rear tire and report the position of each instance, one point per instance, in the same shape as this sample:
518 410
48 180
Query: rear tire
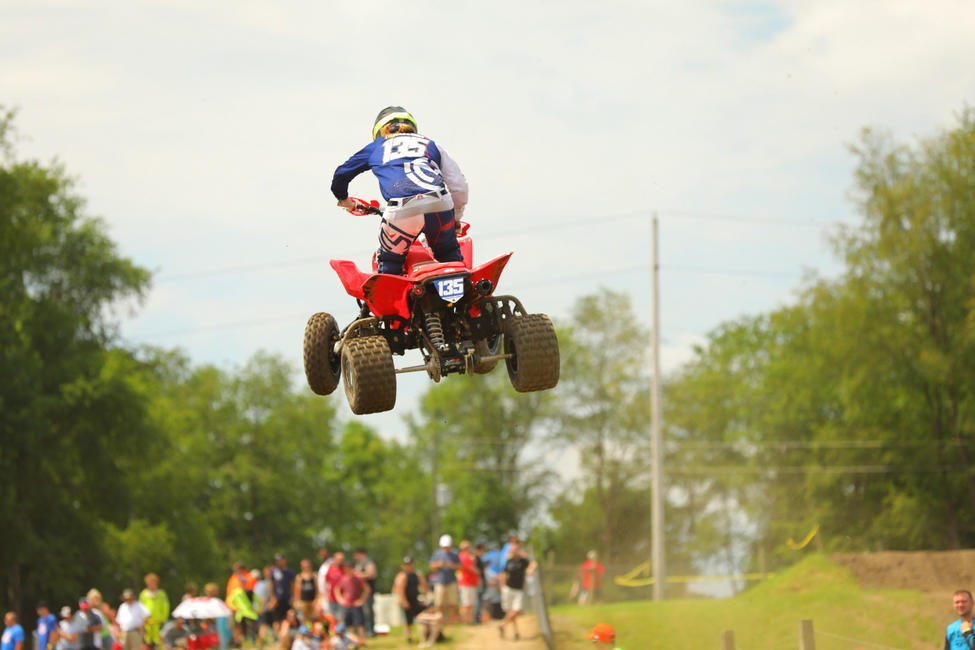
534 350
370 378
323 368
488 347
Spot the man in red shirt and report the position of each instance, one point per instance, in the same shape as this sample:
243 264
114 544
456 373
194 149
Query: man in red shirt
468 582
352 592
332 577
590 578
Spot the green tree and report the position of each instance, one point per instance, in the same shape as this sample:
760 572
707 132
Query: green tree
383 498
71 409
853 408
475 434
604 410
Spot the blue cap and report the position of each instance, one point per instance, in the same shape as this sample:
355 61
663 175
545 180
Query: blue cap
303 629
340 628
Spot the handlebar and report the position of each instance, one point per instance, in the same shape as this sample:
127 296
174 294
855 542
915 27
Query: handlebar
363 207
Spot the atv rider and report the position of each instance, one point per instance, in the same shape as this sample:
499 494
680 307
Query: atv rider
423 187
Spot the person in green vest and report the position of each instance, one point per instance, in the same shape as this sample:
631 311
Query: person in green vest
157 602
603 637
243 608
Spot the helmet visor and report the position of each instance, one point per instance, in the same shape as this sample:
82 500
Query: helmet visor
391 117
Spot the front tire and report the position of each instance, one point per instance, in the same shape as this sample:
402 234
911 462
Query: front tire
370 378
323 368
534 350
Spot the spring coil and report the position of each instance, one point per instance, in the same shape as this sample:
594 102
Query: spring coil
435 331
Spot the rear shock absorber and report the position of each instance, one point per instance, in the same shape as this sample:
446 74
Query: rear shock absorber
435 331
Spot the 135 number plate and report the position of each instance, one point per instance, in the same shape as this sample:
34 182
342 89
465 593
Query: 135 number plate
450 289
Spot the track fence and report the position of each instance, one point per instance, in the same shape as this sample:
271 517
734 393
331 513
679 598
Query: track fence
807 639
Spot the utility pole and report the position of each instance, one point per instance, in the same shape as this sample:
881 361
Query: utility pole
656 461
435 481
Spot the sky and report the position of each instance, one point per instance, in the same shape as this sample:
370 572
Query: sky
205 136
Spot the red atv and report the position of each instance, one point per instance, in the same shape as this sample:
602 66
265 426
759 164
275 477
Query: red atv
447 310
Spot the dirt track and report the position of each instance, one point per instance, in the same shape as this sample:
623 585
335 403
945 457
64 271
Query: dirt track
486 637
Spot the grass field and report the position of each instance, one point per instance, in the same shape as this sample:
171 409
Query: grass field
766 617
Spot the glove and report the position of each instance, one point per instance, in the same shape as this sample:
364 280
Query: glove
360 207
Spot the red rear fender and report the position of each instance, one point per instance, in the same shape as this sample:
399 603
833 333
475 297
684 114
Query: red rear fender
490 270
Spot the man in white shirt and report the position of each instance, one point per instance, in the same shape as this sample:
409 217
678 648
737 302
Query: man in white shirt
131 617
326 559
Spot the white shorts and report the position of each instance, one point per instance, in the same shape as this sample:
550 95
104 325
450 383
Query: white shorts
401 225
468 596
512 600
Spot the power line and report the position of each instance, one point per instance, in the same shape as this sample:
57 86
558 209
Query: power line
812 469
530 285
558 226
803 444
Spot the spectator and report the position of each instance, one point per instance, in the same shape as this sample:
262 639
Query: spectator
46 632
104 638
431 624
239 598
287 629
407 587
318 634
281 580
302 639
13 633
67 632
212 590
305 592
352 592
157 602
262 601
113 639
516 571
493 566
590 579
332 577
321 583
88 624
444 563
480 548
175 634
342 640
366 569
191 591
467 583
132 616
239 594
603 635
959 635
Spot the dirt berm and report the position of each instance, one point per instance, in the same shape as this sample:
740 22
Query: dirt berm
937 574
929 571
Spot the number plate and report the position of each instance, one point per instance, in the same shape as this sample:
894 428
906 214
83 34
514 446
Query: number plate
450 289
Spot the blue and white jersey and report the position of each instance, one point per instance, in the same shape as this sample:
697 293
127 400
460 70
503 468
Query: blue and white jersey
406 165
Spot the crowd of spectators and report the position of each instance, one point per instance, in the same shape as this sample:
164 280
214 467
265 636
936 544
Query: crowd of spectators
469 584
331 607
